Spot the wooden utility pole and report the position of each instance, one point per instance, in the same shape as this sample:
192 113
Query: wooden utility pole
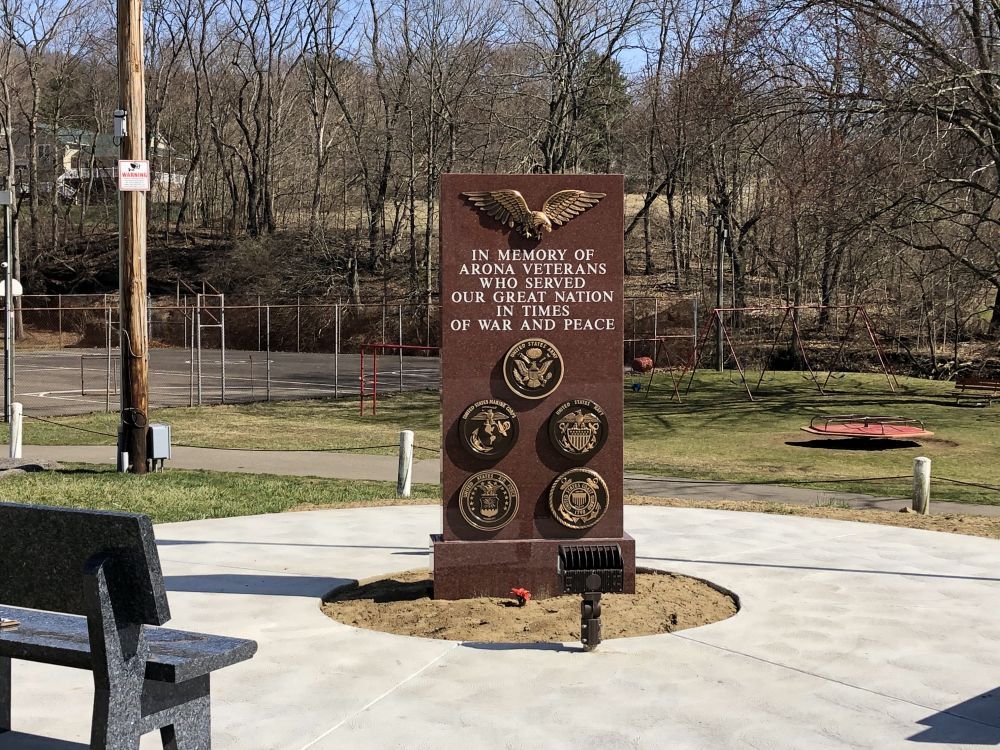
132 240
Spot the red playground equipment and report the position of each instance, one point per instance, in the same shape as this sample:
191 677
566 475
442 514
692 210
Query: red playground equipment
866 427
380 349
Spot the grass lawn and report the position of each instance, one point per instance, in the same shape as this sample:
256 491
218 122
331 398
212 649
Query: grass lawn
715 432
181 495
286 425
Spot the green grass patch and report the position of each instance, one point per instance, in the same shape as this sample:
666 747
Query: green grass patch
326 424
716 432
182 495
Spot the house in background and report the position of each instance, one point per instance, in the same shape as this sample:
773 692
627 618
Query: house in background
82 160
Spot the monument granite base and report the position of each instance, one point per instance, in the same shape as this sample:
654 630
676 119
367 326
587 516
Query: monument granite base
470 569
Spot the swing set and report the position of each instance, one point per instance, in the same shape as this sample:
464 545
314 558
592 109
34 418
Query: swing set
716 322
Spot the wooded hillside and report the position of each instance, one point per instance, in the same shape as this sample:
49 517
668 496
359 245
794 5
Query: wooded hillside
844 151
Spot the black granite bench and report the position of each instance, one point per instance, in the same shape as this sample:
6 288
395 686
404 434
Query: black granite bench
87 590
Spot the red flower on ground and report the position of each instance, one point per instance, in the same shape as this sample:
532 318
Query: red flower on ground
523 596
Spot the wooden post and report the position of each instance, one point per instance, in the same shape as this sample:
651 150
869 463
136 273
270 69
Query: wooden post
132 240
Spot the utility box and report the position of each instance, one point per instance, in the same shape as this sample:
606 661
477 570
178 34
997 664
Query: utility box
158 445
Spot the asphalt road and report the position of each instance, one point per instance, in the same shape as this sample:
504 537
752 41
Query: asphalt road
76 381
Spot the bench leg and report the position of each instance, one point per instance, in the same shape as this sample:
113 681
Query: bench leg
192 730
5 691
115 726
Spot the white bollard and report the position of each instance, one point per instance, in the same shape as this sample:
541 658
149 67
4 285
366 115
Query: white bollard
922 485
16 434
405 476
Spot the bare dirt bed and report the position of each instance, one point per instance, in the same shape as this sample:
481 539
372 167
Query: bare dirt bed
401 604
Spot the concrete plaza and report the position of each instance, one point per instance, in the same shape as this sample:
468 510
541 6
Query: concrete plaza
850 636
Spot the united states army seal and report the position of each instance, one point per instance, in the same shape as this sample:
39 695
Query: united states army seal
488 429
533 368
488 500
578 498
578 429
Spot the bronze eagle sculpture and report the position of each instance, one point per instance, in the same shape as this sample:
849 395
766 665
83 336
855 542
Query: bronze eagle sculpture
511 209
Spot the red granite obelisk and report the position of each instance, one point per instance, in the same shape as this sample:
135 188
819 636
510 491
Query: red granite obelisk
532 387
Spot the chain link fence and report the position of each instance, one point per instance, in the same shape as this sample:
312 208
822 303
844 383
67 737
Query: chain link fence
208 348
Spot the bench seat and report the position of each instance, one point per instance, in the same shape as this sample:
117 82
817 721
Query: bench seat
977 389
63 640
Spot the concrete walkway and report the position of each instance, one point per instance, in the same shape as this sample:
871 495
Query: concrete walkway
690 489
850 636
428 471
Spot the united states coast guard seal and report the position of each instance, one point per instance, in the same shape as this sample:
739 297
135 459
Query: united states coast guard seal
533 368
578 429
578 498
488 500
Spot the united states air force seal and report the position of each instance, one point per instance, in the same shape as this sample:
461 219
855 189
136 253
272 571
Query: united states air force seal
578 498
488 429
578 429
533 368
488 500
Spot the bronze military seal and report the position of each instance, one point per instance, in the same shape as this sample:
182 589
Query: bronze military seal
488 429
533 368
578 429
488 500
578 498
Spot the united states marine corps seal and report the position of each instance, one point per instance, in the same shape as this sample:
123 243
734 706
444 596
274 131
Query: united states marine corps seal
488 500
488 429
578 498
578 429
533 368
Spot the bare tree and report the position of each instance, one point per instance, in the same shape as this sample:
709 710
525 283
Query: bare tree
572 43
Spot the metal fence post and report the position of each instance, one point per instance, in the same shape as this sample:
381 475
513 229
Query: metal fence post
694 328
633 329
191 356
400 348
222 334
656 342
336 351
198 336
107 386
60 322
267 359
298 325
